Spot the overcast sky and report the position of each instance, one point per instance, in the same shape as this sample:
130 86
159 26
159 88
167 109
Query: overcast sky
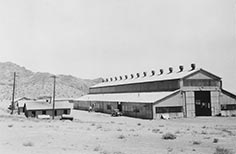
103 38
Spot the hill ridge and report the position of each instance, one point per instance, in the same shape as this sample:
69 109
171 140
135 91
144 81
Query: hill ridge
36 84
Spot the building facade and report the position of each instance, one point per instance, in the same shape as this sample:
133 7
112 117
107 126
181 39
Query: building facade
181 93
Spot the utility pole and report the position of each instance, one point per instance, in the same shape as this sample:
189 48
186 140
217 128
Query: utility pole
13 93
53 96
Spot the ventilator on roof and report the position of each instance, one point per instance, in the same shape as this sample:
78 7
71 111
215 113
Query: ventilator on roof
193 66
170 70
138 75
153 72
120 77
144 74
126 77
132 76
181 68
111 79
161 71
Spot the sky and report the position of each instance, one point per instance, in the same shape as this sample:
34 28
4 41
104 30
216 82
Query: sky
107 38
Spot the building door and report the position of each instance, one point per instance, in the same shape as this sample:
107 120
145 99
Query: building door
202 103
119 106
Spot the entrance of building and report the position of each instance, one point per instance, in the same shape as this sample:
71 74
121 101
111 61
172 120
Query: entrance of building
203 103
119 106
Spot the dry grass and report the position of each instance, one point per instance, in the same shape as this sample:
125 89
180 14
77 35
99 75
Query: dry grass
11 125
121 137
155 130
168 136
196 142
28 144
220 150
215 140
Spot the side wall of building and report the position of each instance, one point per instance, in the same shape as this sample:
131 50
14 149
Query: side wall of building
131 109
171 107
227 104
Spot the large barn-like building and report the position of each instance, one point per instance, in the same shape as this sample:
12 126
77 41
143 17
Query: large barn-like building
182 93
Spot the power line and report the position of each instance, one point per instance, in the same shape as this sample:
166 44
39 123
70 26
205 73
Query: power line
13 93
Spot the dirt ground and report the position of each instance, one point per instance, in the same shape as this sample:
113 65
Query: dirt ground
97 133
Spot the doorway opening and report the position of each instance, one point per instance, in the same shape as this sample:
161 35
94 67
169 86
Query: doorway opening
203 103
119 106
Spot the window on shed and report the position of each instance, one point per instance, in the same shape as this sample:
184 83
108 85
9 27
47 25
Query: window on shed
136 110
200 82
64 111
108 107
44 112
228 107
173 109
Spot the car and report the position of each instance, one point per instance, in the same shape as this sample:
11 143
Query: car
116 112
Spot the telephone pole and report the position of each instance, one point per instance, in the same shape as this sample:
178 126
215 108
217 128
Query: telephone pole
53 96
13 93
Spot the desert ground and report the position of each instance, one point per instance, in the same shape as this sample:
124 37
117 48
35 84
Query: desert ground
97 133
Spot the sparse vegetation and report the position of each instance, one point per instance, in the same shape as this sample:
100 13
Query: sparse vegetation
121 137
221 150
155 130
97 148
28 144
11 125
168 136
119 129
215 140
196 142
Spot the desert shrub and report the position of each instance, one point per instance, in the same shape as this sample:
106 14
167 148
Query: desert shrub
215 140
11 125
97 148
196 142
155 130
220 150
99 126
228 131
28 144
139 124
121 137
203 127
168 136
204 132
93 124
177 132
119 129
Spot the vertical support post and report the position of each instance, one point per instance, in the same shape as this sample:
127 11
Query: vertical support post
13 93
53 96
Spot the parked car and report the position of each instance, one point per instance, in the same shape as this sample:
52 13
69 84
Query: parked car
116 112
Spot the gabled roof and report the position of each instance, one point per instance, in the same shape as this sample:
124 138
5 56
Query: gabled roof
42 105
163 77
228 93
144 97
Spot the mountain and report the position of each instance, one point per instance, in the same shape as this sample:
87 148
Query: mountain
33 85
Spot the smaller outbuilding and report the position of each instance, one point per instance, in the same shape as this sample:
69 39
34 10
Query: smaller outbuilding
36 108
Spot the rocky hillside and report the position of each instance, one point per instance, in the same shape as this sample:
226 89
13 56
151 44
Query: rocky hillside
33 85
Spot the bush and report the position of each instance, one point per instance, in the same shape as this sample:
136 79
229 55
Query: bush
168 136
121 137
215 140
220 150
155 130
10 125
28 144
196 142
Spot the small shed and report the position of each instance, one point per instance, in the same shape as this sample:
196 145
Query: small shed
35 108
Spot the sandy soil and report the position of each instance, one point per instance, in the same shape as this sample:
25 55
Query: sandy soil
97 133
